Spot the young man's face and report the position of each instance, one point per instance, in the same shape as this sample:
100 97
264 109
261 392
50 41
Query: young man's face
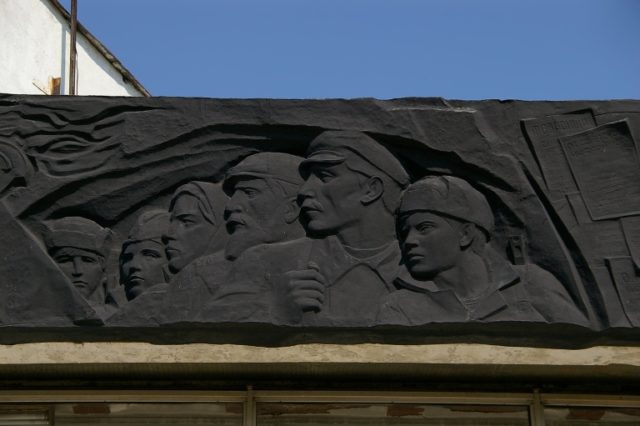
84 268
330 198
141 266
189 233
430 244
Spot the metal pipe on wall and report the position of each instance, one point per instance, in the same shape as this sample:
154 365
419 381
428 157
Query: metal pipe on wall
73 52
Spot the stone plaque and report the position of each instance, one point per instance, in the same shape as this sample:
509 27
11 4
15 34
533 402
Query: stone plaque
544 133
273 222
605 163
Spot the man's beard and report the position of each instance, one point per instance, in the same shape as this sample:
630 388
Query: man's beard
243 239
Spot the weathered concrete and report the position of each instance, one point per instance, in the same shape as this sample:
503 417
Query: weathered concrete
374 366
462 354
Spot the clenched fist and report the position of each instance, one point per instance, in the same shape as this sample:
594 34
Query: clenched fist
306 288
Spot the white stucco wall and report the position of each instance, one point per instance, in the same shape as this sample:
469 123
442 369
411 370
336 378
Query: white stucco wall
34 45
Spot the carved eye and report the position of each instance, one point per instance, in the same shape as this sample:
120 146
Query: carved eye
324 175
187 220
250 192
424 227
151 253
87 259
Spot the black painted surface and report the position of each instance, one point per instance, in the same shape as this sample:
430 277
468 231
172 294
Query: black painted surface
276 222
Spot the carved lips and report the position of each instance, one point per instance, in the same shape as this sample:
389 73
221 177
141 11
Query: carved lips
310 208
80 284
134 280
172 251
235 222
413 256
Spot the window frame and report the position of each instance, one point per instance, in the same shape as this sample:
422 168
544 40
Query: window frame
535 401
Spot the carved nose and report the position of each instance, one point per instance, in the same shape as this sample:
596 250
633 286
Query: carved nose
77 269
233 206
305 191
409 241
133 267
170 234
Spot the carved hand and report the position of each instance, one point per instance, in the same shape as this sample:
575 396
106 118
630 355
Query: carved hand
306 288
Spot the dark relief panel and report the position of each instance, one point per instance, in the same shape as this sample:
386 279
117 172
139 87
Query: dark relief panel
284 221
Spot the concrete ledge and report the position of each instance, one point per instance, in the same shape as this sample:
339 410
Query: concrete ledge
63 360
132 353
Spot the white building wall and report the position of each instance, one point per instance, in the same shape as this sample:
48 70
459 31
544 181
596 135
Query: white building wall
34 45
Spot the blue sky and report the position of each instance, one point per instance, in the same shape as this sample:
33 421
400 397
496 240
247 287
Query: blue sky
458 49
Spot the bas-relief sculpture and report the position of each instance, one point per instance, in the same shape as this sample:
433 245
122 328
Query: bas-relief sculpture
421 218
445 227
143 257
80 247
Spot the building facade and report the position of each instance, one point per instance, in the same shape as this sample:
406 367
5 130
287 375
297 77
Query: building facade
35 45
545 193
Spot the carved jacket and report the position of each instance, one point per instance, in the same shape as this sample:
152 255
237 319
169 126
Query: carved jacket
515 293
145 310
215 289
354 286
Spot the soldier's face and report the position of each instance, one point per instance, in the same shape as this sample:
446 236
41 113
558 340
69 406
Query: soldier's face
430 244
189 233
254 215
141 266
330 198
83 268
